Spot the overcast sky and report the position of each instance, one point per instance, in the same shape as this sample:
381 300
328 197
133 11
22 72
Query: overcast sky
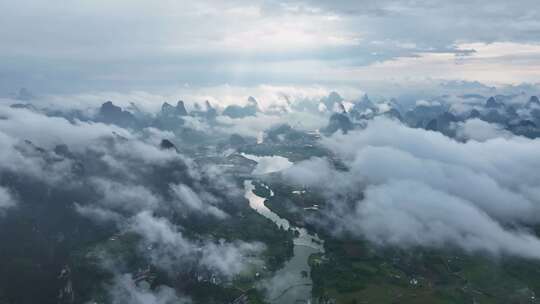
75 46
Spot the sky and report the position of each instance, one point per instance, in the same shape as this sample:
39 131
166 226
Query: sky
91 46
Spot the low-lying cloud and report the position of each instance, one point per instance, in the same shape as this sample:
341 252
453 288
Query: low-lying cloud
7 199
187 198
123 177
125 290
480 130
169 249
421 188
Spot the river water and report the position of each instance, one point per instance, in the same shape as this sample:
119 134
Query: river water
292 283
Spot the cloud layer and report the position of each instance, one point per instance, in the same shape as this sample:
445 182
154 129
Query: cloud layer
107 178
421 188
171 251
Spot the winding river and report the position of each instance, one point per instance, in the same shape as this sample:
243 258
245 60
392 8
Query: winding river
292 283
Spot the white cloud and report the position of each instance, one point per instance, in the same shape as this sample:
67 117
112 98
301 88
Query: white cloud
21 157
7 200
433 184
124 196
409 214
480 130
254 125
269 164
186 197
124 290
255 42
169 249
48 131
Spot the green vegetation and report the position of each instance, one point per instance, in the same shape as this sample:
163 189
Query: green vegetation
91 277
354 272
